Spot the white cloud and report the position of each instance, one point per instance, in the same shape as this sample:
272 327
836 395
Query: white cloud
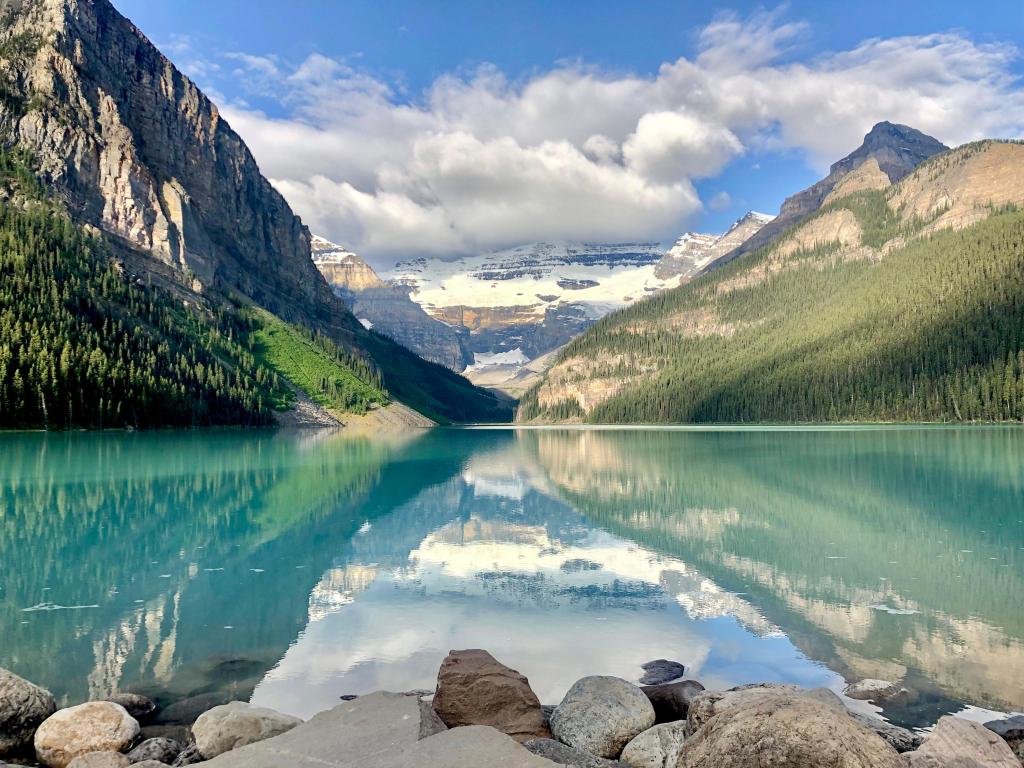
478 161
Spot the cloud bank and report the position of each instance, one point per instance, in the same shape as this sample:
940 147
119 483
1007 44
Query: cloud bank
478 161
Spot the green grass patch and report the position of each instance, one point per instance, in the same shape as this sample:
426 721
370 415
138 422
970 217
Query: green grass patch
331 376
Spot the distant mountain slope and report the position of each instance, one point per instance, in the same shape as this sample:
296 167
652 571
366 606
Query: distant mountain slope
388 309
903 303
135 150
531 299
896 149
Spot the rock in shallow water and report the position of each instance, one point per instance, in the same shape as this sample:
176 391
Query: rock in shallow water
873 690
161 749
138 706
96 726
661 671
657 747
755 726
959 743
898 738
1009 728
23 706
236 724
560 753
474 688
600 715
671 701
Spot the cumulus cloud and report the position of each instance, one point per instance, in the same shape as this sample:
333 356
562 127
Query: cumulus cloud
478 161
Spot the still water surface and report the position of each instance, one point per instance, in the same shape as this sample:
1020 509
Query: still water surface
291 568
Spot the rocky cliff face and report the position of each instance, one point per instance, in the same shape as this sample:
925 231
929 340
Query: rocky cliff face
137 150
694 252
388 309
897 150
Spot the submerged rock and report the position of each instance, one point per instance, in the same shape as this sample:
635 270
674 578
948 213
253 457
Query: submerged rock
474 688
138 706
161 749
671 701
754 726
23 707
236 724
563 754
661 671
959 743
100 760
600 715
96 726
657 747
873 690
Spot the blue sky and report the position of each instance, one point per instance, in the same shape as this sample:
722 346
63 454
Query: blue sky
382 121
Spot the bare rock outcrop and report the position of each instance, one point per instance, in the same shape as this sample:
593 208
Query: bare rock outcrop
959 743
23 707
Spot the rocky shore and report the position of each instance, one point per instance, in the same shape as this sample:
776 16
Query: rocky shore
483 714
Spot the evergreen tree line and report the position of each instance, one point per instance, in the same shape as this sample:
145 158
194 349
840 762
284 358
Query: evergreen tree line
932 332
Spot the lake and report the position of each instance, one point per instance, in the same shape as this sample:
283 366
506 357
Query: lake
291 568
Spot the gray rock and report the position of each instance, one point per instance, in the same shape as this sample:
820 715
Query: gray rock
236 724
100 760
873 690
162 749
661 671
180 733
151 764
560 753
189 756
1009 728
600 715
657 747
959 743
755 726
671 701
138 706
23 707
96 726
898 738
380 730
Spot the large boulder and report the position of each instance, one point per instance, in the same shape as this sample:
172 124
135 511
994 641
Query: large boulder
100 760
23 706
563 754
898 738
600 715
661 671
755 726
657 747
959 743
474 688
236 724
96 726
1011 729
160 748
671 701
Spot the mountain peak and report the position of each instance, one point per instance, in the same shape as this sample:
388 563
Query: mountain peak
897 148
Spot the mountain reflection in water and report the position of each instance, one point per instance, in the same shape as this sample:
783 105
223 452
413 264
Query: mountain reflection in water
296 567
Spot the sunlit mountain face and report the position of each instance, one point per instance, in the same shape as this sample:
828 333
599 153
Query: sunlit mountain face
294 568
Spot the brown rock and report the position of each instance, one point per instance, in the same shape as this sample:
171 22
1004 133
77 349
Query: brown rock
96 726
779 726
100 760
959 743
473 688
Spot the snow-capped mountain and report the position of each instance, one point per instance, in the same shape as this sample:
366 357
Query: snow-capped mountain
695 252
343 269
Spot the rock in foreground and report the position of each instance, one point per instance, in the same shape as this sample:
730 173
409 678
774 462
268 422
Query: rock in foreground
474 688
560 753
657 747
100 760
237 724
959 743
759 726
671 701
160 748
23 707
600 715
96 726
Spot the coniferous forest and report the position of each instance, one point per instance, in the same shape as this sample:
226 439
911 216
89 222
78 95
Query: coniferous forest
933 331
82 344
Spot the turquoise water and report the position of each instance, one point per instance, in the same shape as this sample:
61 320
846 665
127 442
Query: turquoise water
292 568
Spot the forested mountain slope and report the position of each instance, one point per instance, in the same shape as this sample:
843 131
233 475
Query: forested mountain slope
132 149
901 302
